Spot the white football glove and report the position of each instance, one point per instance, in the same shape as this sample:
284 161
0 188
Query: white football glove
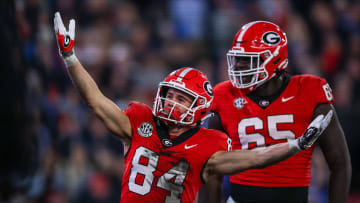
312 133
65 39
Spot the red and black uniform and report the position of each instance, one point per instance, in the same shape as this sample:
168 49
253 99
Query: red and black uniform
255 122
160 169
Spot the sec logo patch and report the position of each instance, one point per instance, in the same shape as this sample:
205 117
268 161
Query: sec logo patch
145 129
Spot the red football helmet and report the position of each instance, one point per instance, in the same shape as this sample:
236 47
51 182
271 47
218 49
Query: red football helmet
263 47
191 82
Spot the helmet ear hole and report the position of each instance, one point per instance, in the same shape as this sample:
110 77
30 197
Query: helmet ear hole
277 61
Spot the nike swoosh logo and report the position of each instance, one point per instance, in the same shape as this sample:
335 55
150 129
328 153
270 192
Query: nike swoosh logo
286 99
191 146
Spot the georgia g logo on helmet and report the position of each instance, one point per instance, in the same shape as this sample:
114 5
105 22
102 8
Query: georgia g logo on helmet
271 38
208 88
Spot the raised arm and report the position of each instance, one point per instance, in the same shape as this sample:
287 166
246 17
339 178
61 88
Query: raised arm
336 153
112 116
228 163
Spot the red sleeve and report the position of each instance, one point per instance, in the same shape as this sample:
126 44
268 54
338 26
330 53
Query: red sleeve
320 90
327 95
136 111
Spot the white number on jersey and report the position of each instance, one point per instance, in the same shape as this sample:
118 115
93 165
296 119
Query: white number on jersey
176 188
146 171
229 144
327 91
258 124
177 174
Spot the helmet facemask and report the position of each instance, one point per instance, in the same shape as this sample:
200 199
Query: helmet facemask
247 69
171 113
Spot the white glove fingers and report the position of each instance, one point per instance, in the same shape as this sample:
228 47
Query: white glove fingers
72 29
59 25
56 21
65 40
326 121
317 121
55 24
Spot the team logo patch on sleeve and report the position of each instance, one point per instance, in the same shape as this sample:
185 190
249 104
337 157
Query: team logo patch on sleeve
145 129
239 102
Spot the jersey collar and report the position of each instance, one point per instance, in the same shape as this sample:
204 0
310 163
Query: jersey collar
271 98
163 133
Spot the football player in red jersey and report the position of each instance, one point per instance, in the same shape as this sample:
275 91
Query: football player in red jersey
169 156
260 105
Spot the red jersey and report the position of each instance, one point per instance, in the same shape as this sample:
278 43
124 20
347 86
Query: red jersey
251 126
160 169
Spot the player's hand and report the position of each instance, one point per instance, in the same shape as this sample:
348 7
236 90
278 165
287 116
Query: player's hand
65 39
314 130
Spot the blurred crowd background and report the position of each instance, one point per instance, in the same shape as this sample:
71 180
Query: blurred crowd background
129 47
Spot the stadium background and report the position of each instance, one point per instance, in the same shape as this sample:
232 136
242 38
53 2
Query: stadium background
55 150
